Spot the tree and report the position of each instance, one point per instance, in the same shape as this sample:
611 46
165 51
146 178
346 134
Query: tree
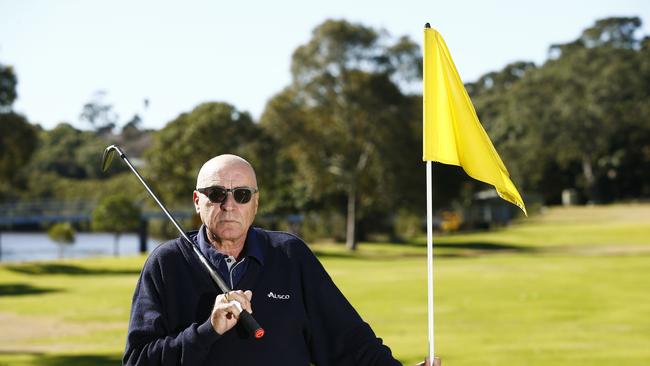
596 103
510 112
582 116
17 136
184 144
63 234
614 32
8 83
99 114
344 116
69 152
131 129
117 214
17 144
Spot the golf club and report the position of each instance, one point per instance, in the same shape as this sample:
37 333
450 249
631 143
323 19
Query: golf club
249 323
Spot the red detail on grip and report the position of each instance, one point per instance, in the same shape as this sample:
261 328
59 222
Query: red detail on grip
259 333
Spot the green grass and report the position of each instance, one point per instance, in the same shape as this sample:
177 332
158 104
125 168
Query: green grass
568 287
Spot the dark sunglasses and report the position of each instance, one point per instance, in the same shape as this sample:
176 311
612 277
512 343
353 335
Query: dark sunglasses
218 194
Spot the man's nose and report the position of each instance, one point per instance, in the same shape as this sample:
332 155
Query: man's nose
229 203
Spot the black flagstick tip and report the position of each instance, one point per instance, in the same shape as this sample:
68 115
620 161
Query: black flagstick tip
427 25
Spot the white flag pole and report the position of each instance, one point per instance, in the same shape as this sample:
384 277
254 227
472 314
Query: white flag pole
430 258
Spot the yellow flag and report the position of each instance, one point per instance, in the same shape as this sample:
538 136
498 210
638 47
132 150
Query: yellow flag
452 132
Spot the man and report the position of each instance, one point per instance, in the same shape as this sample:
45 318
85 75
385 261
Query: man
178 317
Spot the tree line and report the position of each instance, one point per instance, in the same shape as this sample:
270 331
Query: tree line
340 145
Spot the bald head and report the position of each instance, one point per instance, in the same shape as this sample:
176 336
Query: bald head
215 167
226 221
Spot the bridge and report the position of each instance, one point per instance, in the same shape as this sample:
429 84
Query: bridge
46 212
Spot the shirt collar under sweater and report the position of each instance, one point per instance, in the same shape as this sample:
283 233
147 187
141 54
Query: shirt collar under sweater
252 249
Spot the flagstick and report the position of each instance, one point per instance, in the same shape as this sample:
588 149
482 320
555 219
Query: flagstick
430 257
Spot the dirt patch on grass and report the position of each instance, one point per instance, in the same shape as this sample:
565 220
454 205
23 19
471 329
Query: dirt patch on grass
627 213
32 333
600 250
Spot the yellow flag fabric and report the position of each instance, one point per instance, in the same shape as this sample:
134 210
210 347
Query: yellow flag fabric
452 132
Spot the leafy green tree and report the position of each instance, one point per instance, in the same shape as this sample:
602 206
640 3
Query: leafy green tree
499 95
344 117
17 144
599 103
131 129
116 214
63 234
99 114
184 144
8 83
17 136
579 120
614 32
69 152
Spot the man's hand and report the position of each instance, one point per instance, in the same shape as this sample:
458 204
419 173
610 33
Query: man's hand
227 307
436 362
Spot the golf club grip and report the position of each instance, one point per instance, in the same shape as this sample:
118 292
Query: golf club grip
250 324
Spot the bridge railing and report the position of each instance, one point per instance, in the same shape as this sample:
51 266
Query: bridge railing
50 211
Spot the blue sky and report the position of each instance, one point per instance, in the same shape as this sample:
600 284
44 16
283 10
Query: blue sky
179 54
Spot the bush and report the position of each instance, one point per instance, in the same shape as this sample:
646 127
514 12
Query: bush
407 225
63 234
323 225
118 214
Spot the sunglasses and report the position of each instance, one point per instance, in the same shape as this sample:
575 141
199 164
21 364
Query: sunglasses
218 194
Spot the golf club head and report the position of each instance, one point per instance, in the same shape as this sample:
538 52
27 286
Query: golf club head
107 157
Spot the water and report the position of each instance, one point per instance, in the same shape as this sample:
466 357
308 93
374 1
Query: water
19 247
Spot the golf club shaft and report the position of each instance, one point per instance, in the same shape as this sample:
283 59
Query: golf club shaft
217 279
245 317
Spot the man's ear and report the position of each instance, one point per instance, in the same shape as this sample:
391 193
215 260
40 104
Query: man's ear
195 198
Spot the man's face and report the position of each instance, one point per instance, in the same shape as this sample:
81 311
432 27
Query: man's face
228 221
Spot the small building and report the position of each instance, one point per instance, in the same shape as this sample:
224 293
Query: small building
488 210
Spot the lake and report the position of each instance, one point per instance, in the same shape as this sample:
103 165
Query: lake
19 247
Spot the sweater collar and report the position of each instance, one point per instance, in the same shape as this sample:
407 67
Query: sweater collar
252 246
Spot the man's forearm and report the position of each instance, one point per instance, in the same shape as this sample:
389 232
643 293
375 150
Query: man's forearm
189 347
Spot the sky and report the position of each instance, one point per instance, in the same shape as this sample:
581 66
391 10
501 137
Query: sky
178 54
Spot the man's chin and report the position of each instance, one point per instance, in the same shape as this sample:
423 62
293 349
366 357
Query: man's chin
230 231
225 225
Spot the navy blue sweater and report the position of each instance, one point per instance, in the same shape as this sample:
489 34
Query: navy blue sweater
305 316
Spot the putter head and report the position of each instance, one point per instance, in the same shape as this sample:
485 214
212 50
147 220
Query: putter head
107 157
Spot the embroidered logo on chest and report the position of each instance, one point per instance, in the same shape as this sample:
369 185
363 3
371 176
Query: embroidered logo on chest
278 296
